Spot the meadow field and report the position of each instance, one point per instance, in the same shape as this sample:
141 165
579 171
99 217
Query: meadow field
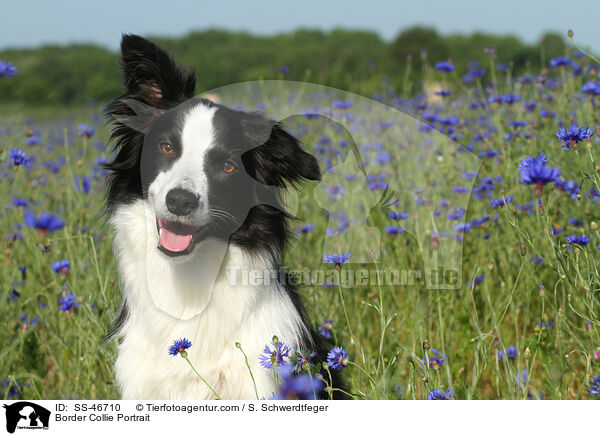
496 176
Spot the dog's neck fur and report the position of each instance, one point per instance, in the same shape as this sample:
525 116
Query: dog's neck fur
168 300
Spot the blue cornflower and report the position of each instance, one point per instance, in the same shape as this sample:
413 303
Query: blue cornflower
297 387
44 222
511 98
448 121
592 194
19 157
7 69
444 67
456 214
304 359
569 186
501 202
511 353
13 390
33 140
463 227
517 124
591 88
478 222
14 294
504 99
180 346
337 259
478 279
544 113
398 215
435 362
574 135
325 329
68 303
336 192
28 322
535 172
284 69
306 228
52 166
83 183
61 266
581 240
460 189
23 270
575 222
382 157
337 358
274 357
15 236
376 182
529 105
86 131
471 75
490 153
594 386
19 202
394 230
543 325
437 394
521 379
398 391
560 61
341 104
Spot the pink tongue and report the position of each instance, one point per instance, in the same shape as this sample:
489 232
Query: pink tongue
174 242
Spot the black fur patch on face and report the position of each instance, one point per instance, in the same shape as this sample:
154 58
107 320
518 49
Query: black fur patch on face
268 158
151 77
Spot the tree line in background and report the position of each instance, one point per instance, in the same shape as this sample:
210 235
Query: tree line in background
357 61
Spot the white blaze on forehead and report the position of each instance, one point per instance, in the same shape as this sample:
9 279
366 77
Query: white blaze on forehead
187 172
197 137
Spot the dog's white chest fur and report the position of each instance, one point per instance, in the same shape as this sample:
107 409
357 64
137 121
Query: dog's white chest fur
167 301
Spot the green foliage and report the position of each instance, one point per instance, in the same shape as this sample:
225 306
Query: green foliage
346 59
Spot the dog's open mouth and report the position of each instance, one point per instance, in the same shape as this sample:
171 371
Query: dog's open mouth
176 239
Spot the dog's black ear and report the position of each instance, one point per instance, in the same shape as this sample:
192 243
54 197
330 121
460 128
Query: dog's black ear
280 160
151 76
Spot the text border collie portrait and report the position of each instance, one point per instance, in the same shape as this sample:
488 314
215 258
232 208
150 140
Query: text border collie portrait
264 201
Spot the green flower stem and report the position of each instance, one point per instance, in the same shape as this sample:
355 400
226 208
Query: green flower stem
201 378
344 308
249 369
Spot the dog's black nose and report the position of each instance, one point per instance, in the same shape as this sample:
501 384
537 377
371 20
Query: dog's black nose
181 202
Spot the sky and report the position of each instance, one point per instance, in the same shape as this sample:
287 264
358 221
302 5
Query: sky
30 23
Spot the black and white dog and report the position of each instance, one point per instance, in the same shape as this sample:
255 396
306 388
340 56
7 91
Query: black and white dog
192 195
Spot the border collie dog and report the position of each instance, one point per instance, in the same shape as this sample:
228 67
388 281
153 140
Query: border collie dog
193 197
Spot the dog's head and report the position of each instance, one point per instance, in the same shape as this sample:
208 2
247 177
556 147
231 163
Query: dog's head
205 170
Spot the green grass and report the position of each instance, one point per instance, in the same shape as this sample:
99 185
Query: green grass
393 327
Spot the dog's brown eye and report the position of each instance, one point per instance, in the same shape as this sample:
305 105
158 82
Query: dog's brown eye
228 167
166 148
